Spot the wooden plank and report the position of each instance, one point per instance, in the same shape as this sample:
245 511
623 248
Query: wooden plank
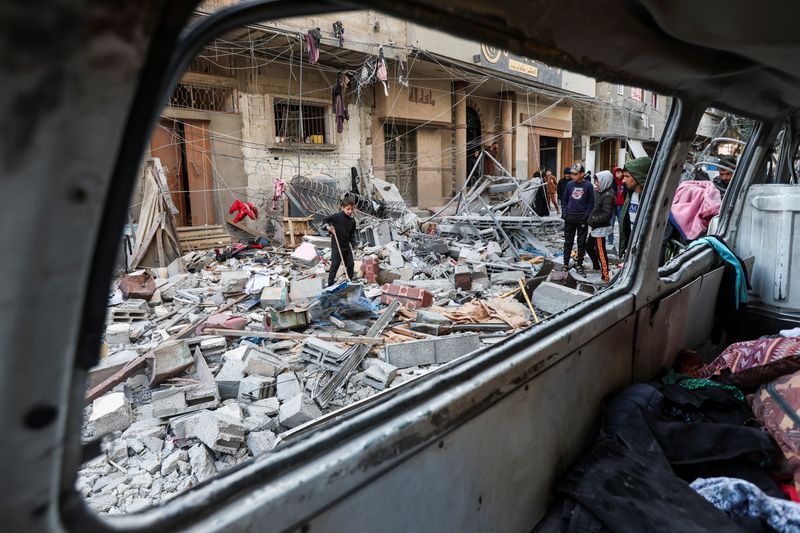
294 336
244 227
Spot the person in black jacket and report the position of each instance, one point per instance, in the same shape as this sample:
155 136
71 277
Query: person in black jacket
562 186
342 228
600 222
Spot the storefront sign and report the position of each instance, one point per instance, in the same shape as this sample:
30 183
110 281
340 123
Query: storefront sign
503 61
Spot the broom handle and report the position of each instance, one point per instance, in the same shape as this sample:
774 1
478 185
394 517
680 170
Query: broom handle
336 238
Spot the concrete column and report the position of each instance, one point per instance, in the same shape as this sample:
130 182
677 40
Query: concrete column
506 123
460 148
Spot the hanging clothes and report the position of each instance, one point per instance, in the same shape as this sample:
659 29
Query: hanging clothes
381 72
340 99
279 187
354 180
313 38
338 32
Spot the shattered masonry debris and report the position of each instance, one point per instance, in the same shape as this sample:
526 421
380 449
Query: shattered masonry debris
226 354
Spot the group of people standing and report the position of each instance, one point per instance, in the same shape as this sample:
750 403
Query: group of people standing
592 205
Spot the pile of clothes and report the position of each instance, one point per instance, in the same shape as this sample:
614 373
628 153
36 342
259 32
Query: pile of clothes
713 448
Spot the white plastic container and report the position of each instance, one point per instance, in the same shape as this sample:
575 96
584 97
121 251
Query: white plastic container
769 230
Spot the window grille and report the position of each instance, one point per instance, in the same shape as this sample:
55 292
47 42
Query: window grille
204 98
290 129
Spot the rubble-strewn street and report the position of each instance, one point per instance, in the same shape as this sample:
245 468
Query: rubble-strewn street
221 356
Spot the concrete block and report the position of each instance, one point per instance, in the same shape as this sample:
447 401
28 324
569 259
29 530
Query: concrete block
469 255
305 255
509 277
431 351
262 363
170 462
298 410
462 278
304 290
261 442
177 268
274 297
181 400
233 410
263 408
253 388
386 191
109 366
202 462
429 317
553 298
169 359
412 298
111 412
228 378
118 333
220 433
213 346
233 281
379 374
288 386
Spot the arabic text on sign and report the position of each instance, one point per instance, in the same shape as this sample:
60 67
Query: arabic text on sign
524 68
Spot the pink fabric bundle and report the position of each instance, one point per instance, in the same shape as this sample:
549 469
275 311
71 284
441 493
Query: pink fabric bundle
695 204
222 321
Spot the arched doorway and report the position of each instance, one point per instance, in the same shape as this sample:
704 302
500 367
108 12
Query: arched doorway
473 138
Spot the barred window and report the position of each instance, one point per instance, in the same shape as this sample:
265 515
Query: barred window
204 97
290 128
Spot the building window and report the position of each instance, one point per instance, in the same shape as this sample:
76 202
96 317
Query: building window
653 100
637 94
289 128
204 98
620 90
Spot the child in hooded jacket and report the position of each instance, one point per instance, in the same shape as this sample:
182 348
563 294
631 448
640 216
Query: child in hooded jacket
600 222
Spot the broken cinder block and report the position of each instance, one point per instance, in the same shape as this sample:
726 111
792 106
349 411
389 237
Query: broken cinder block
233 281
553 298
111 412
411 297
431 351
298 410
219 432
169 359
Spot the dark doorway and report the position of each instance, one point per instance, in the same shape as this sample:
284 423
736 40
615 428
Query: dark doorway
473 139
548 150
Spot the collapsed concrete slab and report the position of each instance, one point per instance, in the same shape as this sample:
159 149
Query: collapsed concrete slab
553 298
431 351
229 377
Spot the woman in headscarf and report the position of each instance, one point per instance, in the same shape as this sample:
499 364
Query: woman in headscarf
600 222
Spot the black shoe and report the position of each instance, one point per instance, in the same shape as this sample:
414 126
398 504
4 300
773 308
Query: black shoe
565 268
580 270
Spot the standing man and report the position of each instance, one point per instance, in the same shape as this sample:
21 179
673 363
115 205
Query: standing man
618 188
634 175
562 185
578 205
552 187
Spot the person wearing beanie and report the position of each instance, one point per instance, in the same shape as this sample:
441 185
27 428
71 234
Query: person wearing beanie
600 222
634 176
578 205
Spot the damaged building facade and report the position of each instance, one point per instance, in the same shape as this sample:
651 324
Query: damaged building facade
233 129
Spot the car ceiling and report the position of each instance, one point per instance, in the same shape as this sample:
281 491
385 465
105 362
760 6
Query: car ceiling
733 54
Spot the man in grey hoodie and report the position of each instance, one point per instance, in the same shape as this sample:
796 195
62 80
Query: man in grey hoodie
600 222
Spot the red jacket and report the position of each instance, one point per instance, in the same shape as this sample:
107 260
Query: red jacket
618 187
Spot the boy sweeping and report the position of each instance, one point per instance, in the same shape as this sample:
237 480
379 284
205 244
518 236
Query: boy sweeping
342 228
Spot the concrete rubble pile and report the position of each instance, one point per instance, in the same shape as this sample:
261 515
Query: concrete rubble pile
214 361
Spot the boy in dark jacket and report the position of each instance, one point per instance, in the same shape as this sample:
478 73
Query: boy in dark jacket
578 203
600 222
342 228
